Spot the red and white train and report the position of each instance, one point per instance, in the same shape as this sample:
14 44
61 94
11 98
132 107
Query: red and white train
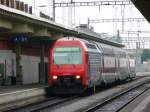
77 64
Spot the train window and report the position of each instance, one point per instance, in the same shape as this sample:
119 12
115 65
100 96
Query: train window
90 46
67 55
108 51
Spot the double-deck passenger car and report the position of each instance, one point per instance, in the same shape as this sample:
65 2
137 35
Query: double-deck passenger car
77 64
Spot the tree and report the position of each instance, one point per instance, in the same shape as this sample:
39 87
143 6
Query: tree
145 55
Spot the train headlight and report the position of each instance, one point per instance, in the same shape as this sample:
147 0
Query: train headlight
55 77
77 76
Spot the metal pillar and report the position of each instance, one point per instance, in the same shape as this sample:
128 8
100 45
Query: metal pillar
42 65
54 10
18 66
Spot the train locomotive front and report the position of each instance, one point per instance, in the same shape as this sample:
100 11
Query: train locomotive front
67 67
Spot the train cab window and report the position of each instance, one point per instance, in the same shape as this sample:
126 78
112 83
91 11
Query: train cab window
67 55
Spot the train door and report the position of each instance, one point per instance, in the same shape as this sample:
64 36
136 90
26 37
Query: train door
101 60
128 65
2 73
93 68
93 64
88 68
44 77
117 64
46 72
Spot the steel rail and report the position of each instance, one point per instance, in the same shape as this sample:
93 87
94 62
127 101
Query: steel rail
13 109
120 100
47 103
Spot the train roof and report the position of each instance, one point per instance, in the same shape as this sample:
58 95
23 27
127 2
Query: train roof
87 41
89 36
92 45
104 41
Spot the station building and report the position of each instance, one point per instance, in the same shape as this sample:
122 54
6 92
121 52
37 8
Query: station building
16 52
29 63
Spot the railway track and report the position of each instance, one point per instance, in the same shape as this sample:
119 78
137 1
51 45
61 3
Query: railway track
41 105
54 102
119 101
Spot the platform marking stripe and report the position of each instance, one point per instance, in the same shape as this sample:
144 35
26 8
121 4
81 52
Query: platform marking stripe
21 91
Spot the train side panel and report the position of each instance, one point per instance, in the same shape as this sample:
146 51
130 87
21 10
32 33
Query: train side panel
131 62
109 64
123 66
93 56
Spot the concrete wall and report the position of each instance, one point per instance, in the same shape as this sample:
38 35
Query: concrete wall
30 66
8 65
7 57
30 69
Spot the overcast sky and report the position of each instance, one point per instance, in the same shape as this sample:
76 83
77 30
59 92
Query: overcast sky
80 15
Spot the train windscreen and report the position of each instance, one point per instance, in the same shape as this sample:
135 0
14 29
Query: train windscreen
67 55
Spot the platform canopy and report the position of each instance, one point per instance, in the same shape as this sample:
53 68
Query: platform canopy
17 21
144 7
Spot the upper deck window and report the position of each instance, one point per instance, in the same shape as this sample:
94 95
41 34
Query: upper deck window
67 55
91 46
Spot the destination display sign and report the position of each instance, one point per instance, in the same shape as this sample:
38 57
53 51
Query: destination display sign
67 49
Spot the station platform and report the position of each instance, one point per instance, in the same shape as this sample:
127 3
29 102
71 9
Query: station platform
7 89
10 94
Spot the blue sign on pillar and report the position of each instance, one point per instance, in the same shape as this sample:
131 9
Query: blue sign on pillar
20 38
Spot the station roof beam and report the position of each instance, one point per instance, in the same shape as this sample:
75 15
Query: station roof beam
22 28
93 3
116 20
42 32
5 25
